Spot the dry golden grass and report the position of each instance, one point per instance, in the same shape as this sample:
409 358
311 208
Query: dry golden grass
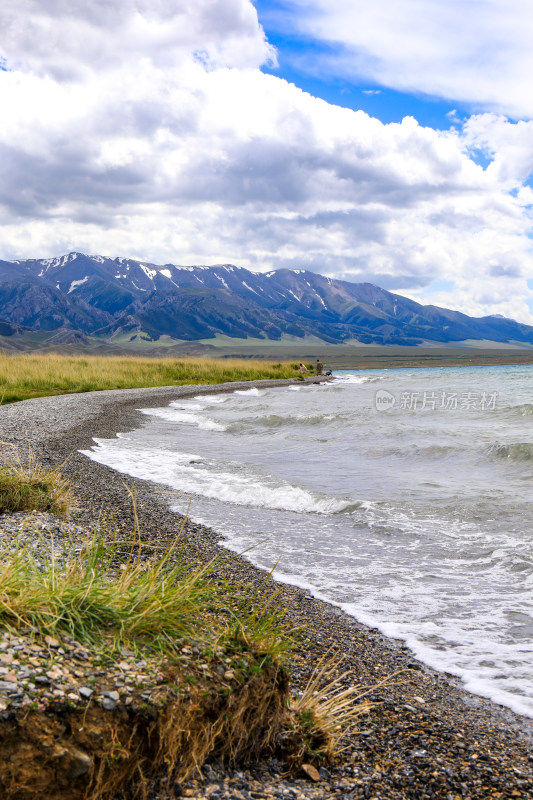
31 375
325 713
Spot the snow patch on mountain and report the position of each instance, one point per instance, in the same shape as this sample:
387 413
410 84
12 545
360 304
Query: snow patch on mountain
77 283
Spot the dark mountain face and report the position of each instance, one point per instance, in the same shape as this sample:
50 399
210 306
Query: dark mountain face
103 296
42 307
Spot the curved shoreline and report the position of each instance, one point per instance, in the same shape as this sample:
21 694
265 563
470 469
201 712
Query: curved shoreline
426 701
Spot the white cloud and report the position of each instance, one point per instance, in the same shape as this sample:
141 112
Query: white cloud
70 40
149 150
476 52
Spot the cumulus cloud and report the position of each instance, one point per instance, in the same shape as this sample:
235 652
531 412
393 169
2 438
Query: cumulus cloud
147 129
70 40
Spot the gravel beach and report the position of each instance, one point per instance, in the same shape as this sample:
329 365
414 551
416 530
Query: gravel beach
425 737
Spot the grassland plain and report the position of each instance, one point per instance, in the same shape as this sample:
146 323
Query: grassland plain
23 376
424 737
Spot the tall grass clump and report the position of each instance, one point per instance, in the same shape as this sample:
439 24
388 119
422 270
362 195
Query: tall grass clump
256 620
325 713
31 486
87 594
32 375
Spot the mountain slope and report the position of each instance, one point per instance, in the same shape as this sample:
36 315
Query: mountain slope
107 296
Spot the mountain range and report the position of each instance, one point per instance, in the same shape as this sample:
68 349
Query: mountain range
79 296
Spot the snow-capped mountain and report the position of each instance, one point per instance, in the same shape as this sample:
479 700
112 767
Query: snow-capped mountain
104 296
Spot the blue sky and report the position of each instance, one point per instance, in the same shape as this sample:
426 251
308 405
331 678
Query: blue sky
389 142
296 50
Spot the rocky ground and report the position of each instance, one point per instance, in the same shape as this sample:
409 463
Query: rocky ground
424 738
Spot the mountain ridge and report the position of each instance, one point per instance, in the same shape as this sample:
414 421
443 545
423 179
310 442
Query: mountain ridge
109 297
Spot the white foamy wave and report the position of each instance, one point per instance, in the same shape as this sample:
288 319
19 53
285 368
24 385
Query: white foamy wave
349 379
251 392
187 405
206 477
479 676
184 418
212 399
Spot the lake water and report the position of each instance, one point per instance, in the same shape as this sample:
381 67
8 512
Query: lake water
403 496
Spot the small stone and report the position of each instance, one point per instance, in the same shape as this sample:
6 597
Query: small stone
51 642
85 692
229 674
79 763
311 772
44 680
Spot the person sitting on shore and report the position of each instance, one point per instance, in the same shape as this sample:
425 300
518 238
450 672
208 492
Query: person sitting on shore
303 370
319 367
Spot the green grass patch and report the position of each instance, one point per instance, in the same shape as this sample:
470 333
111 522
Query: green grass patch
108 594
24 376
86 594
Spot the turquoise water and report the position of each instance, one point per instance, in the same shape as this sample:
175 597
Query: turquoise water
404 496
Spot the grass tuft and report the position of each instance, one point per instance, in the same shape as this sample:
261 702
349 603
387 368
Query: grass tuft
86 595
325 713
256 620
31 486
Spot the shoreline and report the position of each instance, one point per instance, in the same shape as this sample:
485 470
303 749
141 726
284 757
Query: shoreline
421 712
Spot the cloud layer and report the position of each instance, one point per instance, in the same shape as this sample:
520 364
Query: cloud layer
147 129
478 52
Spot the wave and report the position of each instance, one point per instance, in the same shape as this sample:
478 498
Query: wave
251 392
203 476
519 451
278 421
437 451
413 452
522 410
212 399
358 379
184 418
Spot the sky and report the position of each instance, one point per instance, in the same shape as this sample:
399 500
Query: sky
389 142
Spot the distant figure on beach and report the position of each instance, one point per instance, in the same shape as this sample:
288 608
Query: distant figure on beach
303 370
319 367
